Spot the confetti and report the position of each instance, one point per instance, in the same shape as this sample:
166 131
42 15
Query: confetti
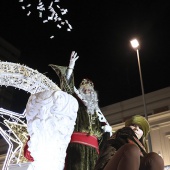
28 5
23 7
64 11
59 26
50 12
45 21
40 14
52 37
59 18
28 13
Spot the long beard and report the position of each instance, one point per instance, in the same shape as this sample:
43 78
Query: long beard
90 101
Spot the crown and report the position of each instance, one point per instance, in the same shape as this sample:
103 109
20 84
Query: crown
86 82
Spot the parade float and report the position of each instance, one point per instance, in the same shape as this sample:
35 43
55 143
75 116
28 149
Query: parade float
44 129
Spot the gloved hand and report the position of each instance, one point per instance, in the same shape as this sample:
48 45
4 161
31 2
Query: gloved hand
70 68
73 59
107 128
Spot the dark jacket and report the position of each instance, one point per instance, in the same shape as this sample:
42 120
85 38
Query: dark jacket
118 139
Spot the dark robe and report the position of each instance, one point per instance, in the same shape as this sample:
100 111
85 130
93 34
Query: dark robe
81 156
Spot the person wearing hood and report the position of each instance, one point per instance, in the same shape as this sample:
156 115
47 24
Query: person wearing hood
127 149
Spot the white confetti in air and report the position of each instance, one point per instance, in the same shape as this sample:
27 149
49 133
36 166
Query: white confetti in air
59 26
28 13
55 18
51 5
70 26
45 21
52 37
50 12
64 11
40 14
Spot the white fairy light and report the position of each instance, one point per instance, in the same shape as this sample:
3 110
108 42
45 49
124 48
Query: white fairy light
25 78
10 148
11 154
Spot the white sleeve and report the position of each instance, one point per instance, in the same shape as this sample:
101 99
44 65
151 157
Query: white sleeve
68 73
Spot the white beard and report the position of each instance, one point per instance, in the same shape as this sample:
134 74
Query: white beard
90 101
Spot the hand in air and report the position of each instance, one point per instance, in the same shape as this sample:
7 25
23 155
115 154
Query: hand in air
73 59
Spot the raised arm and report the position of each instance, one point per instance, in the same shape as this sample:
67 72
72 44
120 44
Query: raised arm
70 68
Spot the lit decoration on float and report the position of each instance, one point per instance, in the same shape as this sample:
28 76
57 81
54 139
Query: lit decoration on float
15 135
50 115
8 155
25 78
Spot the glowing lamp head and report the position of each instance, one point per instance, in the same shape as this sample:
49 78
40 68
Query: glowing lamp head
135 43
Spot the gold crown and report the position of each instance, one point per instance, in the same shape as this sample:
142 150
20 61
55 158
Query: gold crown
86 82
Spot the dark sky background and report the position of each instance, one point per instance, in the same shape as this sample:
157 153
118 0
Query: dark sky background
101 33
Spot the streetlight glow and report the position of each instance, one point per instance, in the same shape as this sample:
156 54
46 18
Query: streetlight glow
134 43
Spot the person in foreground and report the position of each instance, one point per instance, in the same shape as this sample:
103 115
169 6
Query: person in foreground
91 127
127 149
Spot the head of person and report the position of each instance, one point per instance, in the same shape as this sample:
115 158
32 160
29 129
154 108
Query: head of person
89 95
140 126
86 86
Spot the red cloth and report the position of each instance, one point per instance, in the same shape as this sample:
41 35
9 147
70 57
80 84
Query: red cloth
85 139
27 153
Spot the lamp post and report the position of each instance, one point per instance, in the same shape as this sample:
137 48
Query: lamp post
135 45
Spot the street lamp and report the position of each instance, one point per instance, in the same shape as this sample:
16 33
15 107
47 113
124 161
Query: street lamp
135 45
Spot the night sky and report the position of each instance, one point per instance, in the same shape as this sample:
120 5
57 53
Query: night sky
101 33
